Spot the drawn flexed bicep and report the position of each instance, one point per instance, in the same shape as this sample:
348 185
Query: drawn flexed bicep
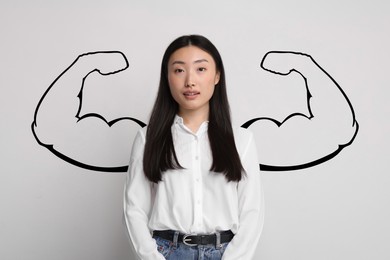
303 140
86 140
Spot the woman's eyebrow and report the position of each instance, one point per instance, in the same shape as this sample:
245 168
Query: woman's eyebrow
178 62
182 62
201 60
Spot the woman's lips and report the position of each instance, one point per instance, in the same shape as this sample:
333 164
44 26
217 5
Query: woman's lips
191 94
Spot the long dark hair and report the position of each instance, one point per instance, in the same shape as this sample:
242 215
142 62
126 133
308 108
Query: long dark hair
159 153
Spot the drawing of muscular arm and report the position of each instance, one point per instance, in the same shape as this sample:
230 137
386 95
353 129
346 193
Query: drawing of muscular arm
92 142
88 141
304 140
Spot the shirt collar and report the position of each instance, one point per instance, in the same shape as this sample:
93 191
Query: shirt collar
180 121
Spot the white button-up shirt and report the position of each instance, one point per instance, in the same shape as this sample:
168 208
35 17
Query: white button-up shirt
195 200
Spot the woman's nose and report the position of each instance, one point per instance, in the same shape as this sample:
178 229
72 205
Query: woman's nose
190 80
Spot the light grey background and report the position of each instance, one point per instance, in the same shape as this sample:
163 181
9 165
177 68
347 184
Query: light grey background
50 209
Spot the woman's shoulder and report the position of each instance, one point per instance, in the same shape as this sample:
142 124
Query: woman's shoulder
245 141
139 142
242 136
240 132
140 136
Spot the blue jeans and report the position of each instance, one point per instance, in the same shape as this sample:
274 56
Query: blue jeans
179 251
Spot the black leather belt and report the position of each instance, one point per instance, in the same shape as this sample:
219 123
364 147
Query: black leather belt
195 240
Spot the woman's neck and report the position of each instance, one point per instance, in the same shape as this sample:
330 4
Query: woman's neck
194 119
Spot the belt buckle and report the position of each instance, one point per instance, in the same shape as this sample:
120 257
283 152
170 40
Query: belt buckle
186 240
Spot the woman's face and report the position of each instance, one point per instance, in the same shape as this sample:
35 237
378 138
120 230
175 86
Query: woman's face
192 77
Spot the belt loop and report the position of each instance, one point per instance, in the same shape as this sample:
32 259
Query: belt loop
218 240
175 238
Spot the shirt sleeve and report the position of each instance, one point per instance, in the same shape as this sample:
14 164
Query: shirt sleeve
137 204
251 208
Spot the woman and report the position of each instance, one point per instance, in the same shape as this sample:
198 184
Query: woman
193 189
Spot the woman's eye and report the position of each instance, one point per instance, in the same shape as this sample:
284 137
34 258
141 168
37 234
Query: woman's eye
202 69
178 70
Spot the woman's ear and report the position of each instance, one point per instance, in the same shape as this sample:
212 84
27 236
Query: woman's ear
217 77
